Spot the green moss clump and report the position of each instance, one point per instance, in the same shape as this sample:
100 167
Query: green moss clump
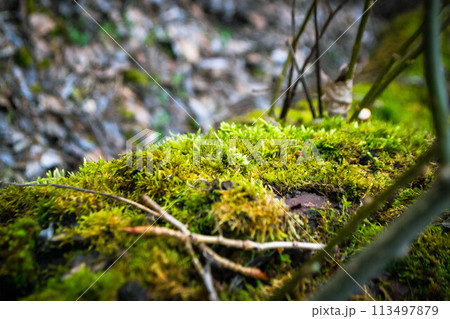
24 57
136 77
237 196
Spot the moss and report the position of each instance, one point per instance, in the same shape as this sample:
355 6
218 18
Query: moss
136 77
236 196
44 64
24 57
427 265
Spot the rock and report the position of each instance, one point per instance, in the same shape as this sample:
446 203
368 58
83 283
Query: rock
189 50
19 141
278 56
40 23
50 103
50 159
257 20
90 106
202 114
217 66
132 291
54 129
33 170
35 150
7 159
113 134
307 201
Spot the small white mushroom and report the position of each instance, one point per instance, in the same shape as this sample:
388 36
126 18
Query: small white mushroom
364 114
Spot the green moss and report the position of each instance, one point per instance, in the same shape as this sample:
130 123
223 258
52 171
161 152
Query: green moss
427 266
358 160
136 77
44 64
24 57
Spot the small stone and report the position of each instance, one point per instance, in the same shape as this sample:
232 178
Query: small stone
50 159
90 106
41 24
279 56
190 51
132 291
50 103
35 150
33 170
216 65
7 159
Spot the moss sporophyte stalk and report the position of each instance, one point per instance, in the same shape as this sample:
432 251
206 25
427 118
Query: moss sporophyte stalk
235 197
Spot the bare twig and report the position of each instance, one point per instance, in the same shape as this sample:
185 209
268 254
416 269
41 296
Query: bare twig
159 212
224 262
319 84
219 240
359 35
305 87
288 60
291 92
206 276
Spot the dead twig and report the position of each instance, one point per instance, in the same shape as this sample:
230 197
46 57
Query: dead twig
319 84
305 88
293 85
219 240
224 262
206 275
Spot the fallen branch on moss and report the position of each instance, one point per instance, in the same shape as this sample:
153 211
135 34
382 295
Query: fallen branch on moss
153 209
219 240
224 262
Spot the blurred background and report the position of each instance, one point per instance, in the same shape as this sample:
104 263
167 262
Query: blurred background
69 92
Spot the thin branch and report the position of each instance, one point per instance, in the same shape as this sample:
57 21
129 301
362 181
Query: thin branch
206 276
224 262
219 240
319 84
288 60
305 87
435 79
359 35
291 92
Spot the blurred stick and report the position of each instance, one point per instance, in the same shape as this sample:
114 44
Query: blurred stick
290 93
305 88
357 45
319 84
206 276
288 61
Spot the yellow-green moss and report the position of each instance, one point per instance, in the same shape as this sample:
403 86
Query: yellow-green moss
358 161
